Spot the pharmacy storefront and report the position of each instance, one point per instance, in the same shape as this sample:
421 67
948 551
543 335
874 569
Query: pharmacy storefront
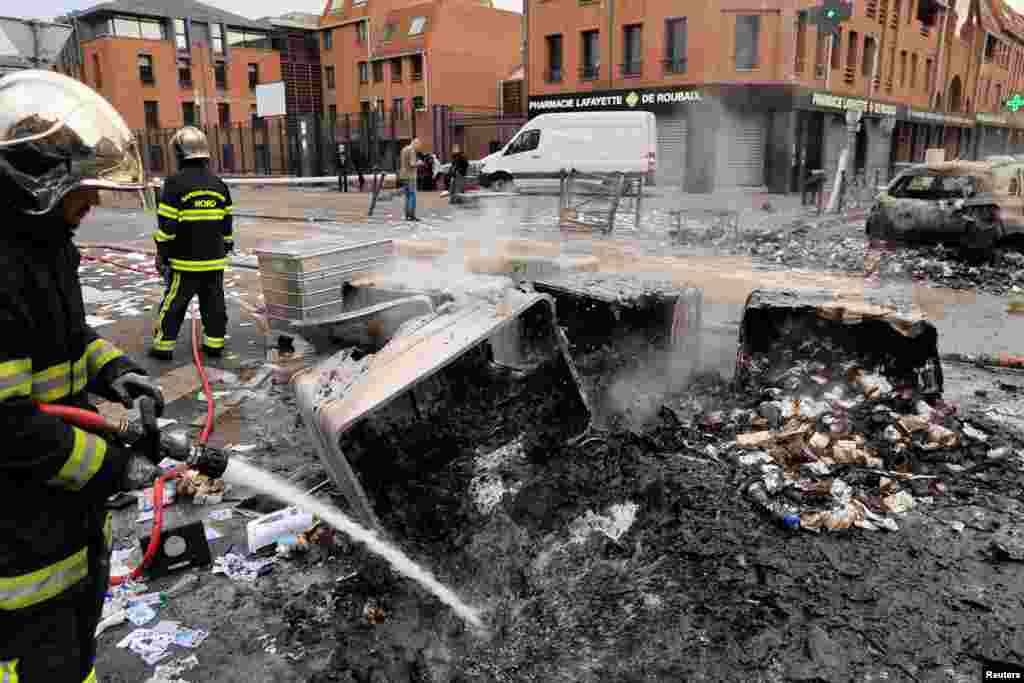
670 107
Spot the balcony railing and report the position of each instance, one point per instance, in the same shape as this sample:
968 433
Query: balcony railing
417 75
674 65
590 73
850 74
553 75
631 69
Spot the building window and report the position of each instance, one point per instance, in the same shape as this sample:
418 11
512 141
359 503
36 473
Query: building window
378 72
417 103
224 114
359 3
156 158
180 34
417 25
220 75
748 30
134 27
329 39
364 72
254 76
97 72
990 47
632 53
146 69
837 40
254 118
591 55
329 75
364 106
185 72
188 113
417 68
332 113
396 70
999 95
928 75
675 45
397 106
217 38
259 41
389 30
868 66
903 68
378 105
913 70
892 68
851 52
554 49
361 32
152 114
801 42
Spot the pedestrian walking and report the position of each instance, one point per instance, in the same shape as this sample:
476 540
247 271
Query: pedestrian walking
60 143
193 238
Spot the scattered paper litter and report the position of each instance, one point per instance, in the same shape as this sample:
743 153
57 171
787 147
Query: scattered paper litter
221 515
162 422
141 614
238 568
151 645
164 626
91 295
171 671
95 321
242 448
190 638
212 534
146 516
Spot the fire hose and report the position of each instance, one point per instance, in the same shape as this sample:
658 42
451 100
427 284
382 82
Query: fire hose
201 458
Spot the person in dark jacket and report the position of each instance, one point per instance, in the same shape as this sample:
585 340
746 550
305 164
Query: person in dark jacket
59 143
457 173
193 238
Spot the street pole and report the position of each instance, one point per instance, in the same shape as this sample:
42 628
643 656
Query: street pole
828 59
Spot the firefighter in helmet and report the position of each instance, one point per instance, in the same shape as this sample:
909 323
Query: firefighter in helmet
193 239
60 143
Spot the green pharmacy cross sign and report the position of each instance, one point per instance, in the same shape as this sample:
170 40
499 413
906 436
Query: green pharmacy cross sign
1014 103
829 14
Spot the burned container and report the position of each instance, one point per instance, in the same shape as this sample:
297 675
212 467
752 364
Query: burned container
303 280
464 378
785 332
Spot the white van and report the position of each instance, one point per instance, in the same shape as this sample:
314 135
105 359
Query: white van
590 142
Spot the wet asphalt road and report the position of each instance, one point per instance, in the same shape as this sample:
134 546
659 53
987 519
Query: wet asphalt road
969 323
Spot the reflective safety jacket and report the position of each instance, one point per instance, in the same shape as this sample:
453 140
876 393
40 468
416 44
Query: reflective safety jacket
56 477
194 220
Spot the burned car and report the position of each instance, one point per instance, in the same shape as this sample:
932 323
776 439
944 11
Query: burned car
971 203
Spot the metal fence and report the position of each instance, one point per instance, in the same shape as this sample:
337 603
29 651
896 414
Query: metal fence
308 145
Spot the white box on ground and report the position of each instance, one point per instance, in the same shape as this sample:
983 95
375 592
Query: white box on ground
264 530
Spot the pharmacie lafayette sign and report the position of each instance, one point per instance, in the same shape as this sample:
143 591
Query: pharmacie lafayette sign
641 98
828 101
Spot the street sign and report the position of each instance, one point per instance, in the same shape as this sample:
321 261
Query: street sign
830 14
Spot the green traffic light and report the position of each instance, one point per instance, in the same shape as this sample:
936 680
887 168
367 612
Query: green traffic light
830 14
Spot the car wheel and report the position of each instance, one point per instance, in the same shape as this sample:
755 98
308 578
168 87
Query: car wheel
503 183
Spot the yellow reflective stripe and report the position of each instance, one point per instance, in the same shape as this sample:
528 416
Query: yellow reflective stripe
158 330
198 266
229 209
213 342
204 193
161 236
18 592
98 354
52 384
108 531
205 215
229 238
79 374
91 678
9 671
85 460
15 378
167 211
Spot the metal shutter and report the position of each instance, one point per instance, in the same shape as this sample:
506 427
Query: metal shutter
741 146
671 159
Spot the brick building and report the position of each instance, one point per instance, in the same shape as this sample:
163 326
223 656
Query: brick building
296 38
401 58
164 63
750 95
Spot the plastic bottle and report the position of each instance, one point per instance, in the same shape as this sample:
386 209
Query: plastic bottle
780 511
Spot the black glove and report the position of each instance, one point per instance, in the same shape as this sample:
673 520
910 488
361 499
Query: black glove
132 385
139 473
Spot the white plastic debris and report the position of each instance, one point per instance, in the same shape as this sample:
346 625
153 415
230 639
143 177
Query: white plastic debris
238 568
171 671
614 525
974 434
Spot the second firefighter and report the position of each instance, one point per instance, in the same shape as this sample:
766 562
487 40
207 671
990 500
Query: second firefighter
193 239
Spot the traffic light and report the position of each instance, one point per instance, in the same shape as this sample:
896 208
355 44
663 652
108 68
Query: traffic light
830 13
